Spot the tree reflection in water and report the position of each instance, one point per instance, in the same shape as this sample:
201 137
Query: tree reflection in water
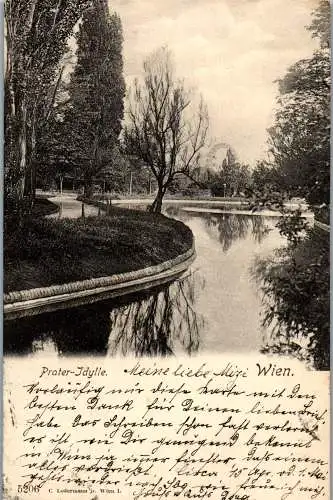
150 324
155 325
295 286
228 228
69 331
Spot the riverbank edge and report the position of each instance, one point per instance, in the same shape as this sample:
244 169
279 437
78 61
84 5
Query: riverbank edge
46 299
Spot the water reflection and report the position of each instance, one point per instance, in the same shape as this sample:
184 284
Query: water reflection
228 228
150 324
295 286
156 325
71 331
220 314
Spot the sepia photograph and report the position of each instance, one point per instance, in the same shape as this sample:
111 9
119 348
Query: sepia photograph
166 200
167 178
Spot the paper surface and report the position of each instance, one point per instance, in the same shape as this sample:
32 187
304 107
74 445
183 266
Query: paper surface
219 428
165 391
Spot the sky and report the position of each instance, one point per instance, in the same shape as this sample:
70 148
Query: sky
231 51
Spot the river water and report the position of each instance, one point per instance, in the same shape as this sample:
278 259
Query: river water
215 307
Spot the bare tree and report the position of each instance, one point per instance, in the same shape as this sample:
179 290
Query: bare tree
163 129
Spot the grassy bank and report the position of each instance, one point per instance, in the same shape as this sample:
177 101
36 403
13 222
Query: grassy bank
47 252
43 206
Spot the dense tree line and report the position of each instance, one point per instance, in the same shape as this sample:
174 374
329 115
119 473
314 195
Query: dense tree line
232 178
300 137
36 37
54 127
96 91
295 280
64 118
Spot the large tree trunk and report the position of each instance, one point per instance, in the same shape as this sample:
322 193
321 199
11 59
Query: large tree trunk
33 173
156 206
30 164
22 161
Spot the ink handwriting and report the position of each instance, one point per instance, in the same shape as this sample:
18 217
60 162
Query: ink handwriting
173 430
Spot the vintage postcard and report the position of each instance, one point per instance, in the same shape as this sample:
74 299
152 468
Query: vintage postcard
166 249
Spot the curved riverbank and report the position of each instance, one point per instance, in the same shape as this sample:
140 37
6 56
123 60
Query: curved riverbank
49 252
46 299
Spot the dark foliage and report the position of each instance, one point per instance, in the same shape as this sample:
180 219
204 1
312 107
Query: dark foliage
296 285
300 138
37 32
96 92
